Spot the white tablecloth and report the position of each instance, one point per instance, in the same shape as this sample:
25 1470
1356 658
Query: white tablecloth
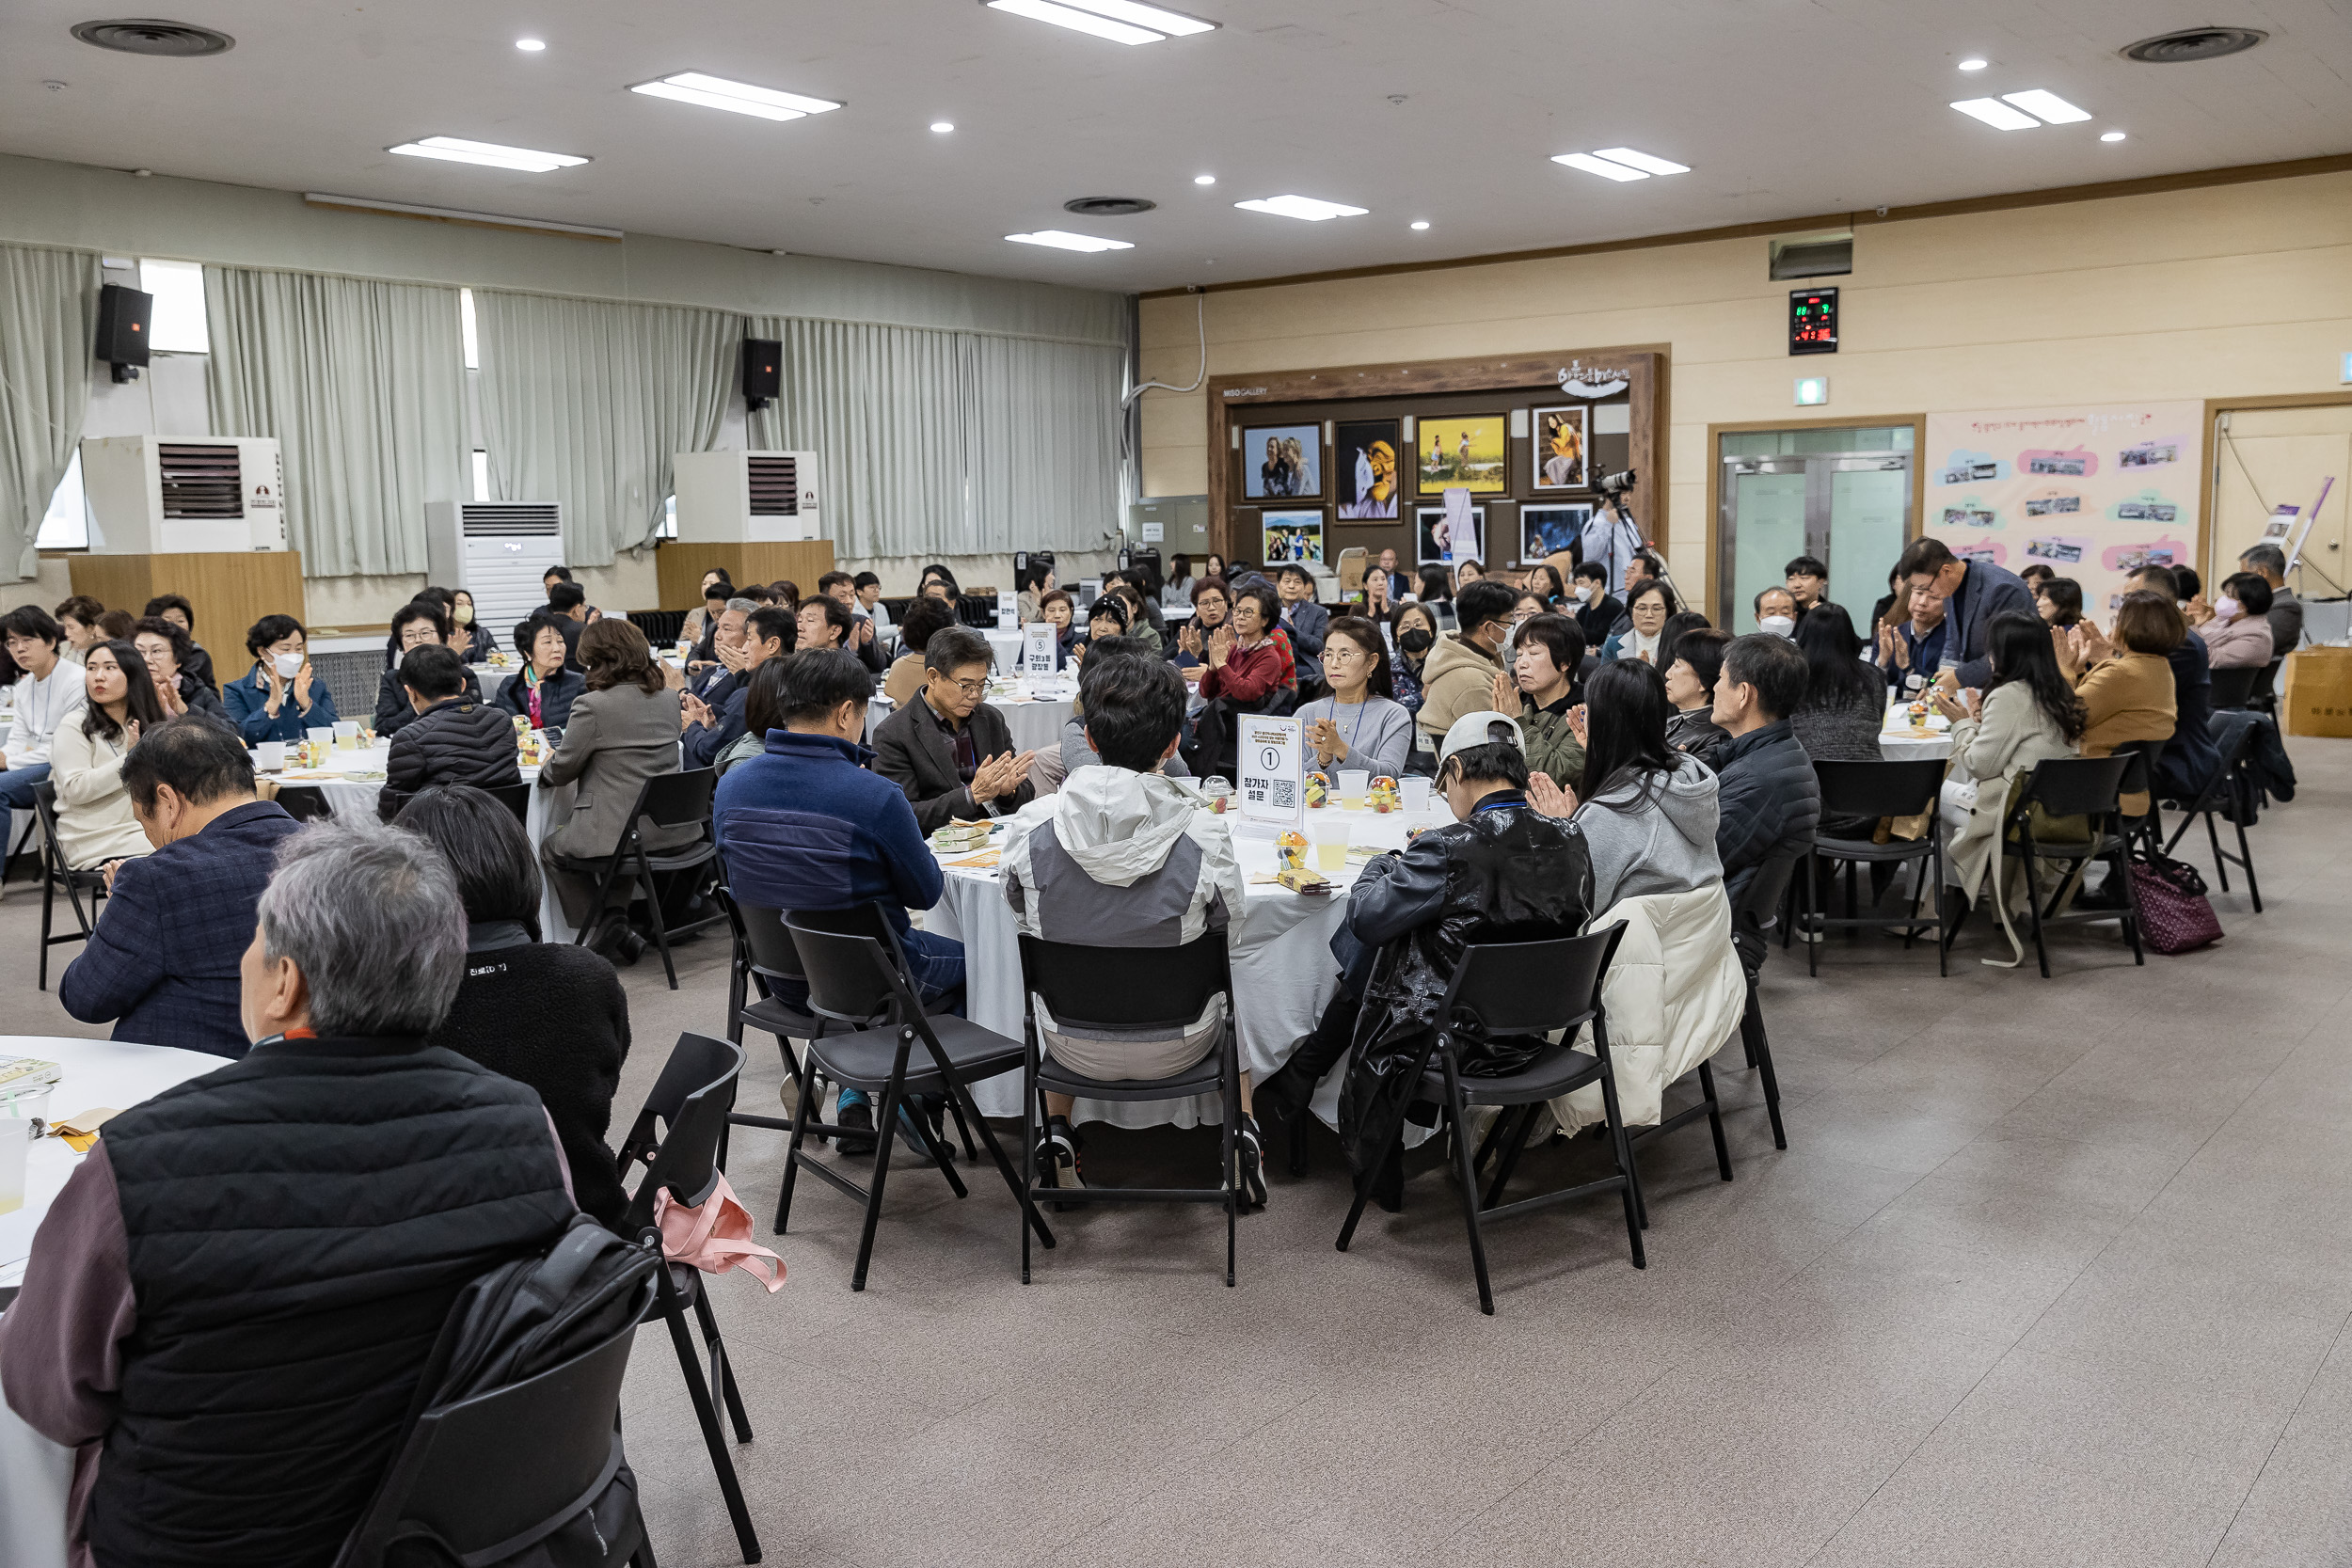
34 1472
1284 972
1035 721
1909 746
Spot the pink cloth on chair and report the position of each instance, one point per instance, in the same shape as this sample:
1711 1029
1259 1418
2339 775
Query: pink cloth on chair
715 1236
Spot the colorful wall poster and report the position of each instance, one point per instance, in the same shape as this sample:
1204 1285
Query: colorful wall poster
2091 493
1290 536
1363 470
1461 452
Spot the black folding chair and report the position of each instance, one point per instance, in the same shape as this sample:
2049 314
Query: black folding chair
304 802
668 800
860 979
1876 789
486 1478
56 877
2235 688
2227 790
2266 695
1150 991
763 955
514 797
2087 787
1519 988
676 1138
1751 920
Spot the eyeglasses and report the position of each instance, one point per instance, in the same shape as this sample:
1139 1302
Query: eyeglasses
971 688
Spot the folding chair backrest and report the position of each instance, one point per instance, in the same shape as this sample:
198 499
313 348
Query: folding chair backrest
850 961
2233 688
45 808
1878 789
2076 787
679 800
767 944
486 1470
1532 987
2147 756
304 802
514 797
1126 989
690 1101
1759 902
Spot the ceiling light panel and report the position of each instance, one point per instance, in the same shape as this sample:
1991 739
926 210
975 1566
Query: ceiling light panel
1303 207
1602 167
1997 113
456 149
2047 105
716 92
1646 163
1121 21
1063 240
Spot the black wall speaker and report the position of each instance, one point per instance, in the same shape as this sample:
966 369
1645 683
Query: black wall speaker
763 374
124 317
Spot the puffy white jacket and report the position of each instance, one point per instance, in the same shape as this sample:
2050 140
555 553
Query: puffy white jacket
1673 997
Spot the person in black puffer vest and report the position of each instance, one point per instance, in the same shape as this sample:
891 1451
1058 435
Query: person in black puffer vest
1768 794
549 1015
227 1309
455 739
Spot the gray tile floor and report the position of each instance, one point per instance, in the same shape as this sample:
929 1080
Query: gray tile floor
2052 1273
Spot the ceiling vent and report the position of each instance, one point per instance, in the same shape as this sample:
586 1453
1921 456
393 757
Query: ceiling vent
2193 43
1108 206
1813 255
146 36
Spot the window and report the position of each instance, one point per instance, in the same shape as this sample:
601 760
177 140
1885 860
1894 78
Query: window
474 344
669 519
177 326
66 526
481 475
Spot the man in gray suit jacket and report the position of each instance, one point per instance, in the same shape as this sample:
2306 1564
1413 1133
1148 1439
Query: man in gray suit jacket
1973 591
950 752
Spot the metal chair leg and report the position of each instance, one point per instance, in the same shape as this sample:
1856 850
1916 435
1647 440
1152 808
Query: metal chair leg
1715 1121
707 1417
1468 1182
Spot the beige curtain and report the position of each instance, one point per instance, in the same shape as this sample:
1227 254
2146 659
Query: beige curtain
48 329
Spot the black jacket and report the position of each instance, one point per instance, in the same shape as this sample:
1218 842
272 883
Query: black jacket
554 1017
200 667
555 697
1599 618
460 740
480 643
1766 793
201 697
1508 874
912 752
393 711
2190 757
1694 730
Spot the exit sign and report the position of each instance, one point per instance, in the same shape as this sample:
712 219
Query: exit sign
1813 320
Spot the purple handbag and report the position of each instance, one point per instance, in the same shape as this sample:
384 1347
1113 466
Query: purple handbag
2174 914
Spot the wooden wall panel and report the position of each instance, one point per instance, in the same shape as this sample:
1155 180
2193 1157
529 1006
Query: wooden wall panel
229 590
680 565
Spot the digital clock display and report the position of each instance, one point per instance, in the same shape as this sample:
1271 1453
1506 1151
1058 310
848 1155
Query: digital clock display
1813 320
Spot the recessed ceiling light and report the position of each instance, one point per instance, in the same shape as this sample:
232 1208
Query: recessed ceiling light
1997 114
1204 179
1646 161
1305 207
1063 240
456 149
530 46
1420 223
943 126
2111 135
716 92
2047 105
1602 167
1121 21
1973 64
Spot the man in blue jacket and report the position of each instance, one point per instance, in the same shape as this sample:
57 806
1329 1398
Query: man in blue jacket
806 825
710 727
1973 593
163 963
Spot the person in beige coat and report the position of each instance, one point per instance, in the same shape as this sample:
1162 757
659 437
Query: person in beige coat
623 730
94 821
2029 715
1460 676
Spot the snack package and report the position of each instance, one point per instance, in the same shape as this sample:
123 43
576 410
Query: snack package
1318 791
1290 850
1304 880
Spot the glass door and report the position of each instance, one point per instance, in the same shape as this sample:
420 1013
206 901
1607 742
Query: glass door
1841 496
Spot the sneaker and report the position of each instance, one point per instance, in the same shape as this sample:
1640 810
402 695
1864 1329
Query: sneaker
1058 1158
919 1128
856 1136
1249 1163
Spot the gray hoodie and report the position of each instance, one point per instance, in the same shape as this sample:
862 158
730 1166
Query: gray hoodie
1666 846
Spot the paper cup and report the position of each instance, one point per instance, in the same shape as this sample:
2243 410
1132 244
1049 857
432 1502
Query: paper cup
1329 834
272 756
1416 794
1352 783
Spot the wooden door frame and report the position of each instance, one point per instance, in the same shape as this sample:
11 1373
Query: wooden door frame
2208 477
1918 423
1646 367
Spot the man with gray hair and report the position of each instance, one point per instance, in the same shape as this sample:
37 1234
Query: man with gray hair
2270 563
229 1305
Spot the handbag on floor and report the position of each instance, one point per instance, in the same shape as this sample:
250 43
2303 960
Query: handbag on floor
2174 913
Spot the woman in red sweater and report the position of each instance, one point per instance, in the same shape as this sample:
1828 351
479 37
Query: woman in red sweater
1248 657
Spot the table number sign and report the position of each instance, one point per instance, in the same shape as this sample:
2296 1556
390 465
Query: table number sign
1008 611
1039 640
1272 770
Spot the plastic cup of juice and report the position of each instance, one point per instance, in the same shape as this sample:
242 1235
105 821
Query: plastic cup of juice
1354 782
1329 836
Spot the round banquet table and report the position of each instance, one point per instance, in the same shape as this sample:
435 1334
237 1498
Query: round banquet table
1914 745
1033 711
35 1473
1284 972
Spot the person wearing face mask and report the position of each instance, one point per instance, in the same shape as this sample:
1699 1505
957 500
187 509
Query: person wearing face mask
1414 631
1776 613
1595 607
1645 613
478 642
1538 689
280 697
1459 675
2237 629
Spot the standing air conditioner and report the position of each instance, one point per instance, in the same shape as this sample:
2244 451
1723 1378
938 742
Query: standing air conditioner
498 551
741 498
168 494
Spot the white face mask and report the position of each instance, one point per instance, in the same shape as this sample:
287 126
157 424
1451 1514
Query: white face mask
1583 593
1779 626
289 665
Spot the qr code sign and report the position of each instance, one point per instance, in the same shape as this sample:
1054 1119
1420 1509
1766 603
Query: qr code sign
1285 795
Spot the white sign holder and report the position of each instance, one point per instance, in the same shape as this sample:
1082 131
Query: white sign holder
1038 643
1007 610
1272 756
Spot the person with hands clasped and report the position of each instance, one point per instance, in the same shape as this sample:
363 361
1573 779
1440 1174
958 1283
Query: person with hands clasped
1539 690
1249 659
280 696
1361 725
94 822
949 751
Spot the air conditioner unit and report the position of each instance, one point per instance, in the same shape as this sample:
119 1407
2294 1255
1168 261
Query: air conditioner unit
498 551
183 494
741 497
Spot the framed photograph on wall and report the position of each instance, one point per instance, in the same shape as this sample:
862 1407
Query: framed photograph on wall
1546 531
1290 536
1461 452
1364 479
1562 452
1442 544
1281 461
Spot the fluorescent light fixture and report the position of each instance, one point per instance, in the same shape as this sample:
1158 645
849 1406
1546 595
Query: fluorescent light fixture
1602 167
1973 64
1303 207
456 149
1642 161
940 127
716 92
1997 114
2047 105
1420 223
2111 135
1062 240
530 46
1119 21
1204 179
